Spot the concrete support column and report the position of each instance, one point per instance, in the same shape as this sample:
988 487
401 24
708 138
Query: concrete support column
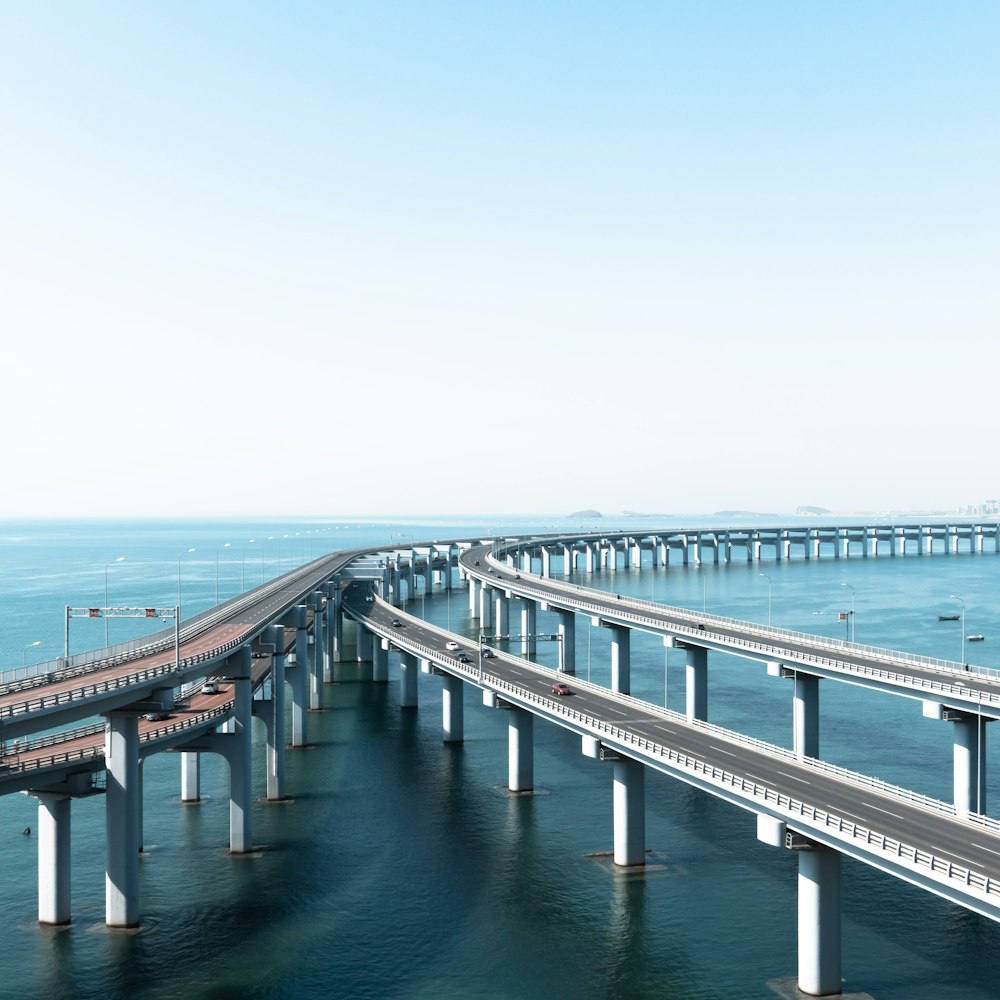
335 621
313 657
54 896
970 764
589 558
365 644
630 812
295 674
486 609
240 769
409 668
520 751
567 560
529 617
696 677
621 659
819 921
502 613
380 661
122 805
567 644
324 662
452 708
805 715
474 588
276 730
190 777
546 562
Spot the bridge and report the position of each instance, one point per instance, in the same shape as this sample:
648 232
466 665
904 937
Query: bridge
290 632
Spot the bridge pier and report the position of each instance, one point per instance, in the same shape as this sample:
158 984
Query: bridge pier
474 588
275 757
805 713
408 680
54 891
452 708
335 621
529 617
520 750
190 776
502 618
630 812
486 609
296 676
696 682
621 657
380 660
567 643
122 805
969 756
240 755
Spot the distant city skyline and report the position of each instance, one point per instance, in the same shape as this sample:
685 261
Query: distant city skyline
285 259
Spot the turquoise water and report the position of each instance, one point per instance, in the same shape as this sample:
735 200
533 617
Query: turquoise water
401 869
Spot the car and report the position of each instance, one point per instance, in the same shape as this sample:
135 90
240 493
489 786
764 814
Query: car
464 658
396 623
492 570
369 598
451 645
517 576
156 716
560 689
477 562
210 687
488 653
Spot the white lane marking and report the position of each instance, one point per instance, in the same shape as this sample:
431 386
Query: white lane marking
795 777
617 711
881 810
673 732
980 846
727 752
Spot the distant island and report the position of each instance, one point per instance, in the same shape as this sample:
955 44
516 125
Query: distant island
811 510
590 514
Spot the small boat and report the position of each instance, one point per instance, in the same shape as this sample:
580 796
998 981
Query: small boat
948 618
975 638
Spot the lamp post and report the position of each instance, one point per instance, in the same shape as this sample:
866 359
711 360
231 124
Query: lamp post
180 555
24 654
117 559
217 551
852 609
766 577
243 562
955 597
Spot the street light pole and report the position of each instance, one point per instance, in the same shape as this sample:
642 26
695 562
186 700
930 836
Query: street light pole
852 610
225 546
766 577
117 559
955 597
24 654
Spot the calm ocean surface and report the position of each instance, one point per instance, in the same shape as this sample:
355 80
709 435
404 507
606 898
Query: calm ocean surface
402 870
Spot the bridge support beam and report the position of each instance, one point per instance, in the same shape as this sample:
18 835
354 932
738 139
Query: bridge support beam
335 622
520 751
122 805
54 894
409 669
969 762
380 660
630 812
805 714
529 618
240 756
452 708
276 729
567 644
621 658
696 683
819 920
190 777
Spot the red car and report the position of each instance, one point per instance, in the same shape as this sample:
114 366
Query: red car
560 688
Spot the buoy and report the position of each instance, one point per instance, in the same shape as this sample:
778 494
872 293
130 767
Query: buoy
27 831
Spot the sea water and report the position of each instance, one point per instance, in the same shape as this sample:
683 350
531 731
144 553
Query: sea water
400 867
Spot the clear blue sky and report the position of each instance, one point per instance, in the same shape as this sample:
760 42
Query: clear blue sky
332 258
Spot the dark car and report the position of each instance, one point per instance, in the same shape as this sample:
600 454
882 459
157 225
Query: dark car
560 689
156 716
396 623
488 653
464 658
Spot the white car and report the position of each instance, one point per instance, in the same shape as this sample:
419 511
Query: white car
210 687
451 645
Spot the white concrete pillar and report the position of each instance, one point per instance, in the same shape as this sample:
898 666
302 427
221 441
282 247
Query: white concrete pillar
486 608
122 805
54 895
364 644
452 708
567 560
567 643
819 921
313 656
520 747
546 562
696 678
239 757
276 730
970 764
630 812
805 715
190 777
324 663
295 674
409 669
474 588
335 621
621 659
502 613
529 614
380 661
